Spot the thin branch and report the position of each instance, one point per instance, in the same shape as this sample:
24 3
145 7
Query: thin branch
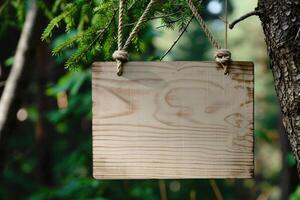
102 32
193 195
170 22
216 189
181 34
256 12
98 37
177 39
18 66
162 190
155 17
163 16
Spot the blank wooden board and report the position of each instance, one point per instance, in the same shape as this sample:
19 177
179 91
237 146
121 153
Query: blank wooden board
172 120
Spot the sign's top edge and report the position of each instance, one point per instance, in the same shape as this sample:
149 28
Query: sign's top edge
233 62
244 63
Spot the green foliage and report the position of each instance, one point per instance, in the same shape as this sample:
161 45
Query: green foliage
87 26
71 82
79 103
66 14
291 159
9 61
296 194
175 13
7 19
13 12
76 39
94 32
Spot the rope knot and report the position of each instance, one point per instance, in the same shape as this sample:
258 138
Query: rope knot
120 55
223 57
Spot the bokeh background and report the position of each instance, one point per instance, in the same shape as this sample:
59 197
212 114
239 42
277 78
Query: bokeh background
46 152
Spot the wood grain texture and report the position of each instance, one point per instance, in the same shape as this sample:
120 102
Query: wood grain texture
164 120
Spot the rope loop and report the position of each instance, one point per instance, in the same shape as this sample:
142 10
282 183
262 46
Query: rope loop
121 55
223 57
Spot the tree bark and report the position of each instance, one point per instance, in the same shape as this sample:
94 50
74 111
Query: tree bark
281 25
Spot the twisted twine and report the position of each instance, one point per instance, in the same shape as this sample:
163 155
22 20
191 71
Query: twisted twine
138 25
207 32
121 55
222 56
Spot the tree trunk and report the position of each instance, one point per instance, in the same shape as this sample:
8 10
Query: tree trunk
288 180
281 24
18 66
44 130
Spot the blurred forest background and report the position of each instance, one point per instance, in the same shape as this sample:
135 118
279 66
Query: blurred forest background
46 148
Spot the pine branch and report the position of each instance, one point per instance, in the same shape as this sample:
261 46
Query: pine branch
67 44
177 39
75 58
154 18
55 22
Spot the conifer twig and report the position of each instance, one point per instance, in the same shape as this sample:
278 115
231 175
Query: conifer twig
181 34
156 17
177 39
100 34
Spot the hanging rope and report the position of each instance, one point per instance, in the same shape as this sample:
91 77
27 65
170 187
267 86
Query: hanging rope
121 55
209 35
222 56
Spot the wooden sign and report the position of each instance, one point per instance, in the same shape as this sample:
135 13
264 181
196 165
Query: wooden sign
172 120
